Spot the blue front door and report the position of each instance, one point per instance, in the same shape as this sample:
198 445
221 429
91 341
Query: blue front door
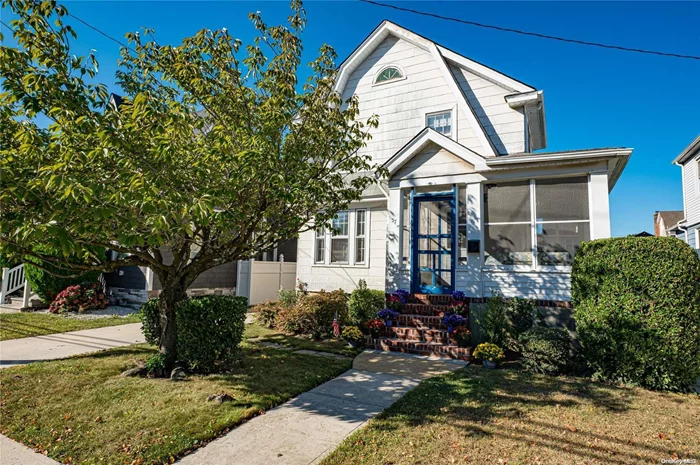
433 244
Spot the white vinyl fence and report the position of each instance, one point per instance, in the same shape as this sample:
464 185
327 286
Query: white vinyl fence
261 281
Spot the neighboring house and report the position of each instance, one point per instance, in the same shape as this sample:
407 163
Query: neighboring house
467 205
687 227
664 220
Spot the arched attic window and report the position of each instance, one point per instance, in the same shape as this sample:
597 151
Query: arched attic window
390 73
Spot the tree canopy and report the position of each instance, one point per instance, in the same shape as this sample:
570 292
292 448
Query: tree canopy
215 150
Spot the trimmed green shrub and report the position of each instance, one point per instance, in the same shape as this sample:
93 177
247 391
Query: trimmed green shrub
637 310
266 312
506 319
209 330
364 303
48 286
546 350
314 313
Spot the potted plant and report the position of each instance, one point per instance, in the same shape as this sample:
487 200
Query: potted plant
459 304
388 315
462 336
491 354
375 326
353 335
452 320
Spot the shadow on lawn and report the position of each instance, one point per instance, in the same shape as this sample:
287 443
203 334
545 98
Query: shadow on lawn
498 404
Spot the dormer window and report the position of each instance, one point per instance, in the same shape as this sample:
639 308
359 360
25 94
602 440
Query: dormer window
390 73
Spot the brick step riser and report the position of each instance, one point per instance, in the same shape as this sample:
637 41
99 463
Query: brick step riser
430 299
421 322
417 348
418 335
422 309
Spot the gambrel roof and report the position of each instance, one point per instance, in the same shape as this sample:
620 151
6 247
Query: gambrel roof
522 94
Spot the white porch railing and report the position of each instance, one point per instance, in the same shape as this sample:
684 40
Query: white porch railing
12 280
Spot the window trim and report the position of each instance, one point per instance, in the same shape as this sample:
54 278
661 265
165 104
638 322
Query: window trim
388 81
356 236
351 243
315 242
534 266
435 113
425 112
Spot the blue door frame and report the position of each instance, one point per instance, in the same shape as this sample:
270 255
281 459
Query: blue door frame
436 256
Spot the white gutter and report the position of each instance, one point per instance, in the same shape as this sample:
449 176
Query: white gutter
547 157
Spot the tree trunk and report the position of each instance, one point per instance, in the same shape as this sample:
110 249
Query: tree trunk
173 292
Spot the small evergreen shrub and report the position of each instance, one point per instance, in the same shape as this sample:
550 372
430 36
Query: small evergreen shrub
637 310
288 297
209 330
364 303
46 285
79 298
506 319
266 313
314 313
494 322
546 350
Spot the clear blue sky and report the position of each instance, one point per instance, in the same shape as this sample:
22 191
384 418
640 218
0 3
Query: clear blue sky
594 97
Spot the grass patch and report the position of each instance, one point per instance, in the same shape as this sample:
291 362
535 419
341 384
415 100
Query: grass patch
336 346
19 325
479 416
79 410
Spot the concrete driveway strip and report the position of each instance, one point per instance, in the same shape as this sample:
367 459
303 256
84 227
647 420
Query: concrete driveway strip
305 429
61 345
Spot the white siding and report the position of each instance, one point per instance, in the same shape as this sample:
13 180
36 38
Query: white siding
401 105
535 285
433 160
330 277
691 191
504 125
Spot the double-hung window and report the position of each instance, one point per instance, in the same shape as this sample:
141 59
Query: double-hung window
320 245
344 241
339 238
536 223
360 228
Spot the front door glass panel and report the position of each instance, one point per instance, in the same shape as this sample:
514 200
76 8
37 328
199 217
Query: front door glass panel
433 218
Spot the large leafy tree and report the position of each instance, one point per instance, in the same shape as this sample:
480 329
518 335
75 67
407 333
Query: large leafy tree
215 153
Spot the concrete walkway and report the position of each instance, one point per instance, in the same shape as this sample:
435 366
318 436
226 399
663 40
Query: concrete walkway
61 345
305 429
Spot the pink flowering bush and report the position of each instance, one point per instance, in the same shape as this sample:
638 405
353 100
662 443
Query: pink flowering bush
78 298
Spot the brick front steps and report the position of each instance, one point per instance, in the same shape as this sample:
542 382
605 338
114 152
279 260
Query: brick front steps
419 330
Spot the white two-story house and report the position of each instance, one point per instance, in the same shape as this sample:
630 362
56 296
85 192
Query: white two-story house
688 229
468 204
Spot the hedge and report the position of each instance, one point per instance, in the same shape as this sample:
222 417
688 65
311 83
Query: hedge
209 330
637 310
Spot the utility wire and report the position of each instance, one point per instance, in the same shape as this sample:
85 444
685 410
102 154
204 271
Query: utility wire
532 34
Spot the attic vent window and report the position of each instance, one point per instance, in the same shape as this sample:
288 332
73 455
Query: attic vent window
392 73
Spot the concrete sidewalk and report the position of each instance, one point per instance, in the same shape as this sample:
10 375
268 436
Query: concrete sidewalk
61 345
305 429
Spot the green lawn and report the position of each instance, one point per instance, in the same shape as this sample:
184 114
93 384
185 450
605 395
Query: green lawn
79 410
19 325
336 346
478 416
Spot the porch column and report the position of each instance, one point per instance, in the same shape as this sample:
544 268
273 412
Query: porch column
394 275
599 205
475 231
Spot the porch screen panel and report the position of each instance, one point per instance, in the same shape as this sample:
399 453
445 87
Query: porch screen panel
462 226
508 223
562 219
406 229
